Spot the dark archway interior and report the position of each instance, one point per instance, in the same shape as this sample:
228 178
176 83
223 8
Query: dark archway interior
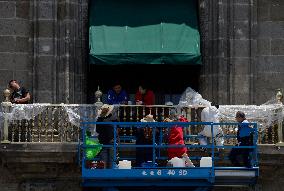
169 80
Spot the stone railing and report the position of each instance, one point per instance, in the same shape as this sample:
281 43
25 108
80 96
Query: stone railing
43 122
61 122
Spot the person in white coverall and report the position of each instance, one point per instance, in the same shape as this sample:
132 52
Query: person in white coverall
211 114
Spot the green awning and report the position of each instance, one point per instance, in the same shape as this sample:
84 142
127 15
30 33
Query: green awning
144 32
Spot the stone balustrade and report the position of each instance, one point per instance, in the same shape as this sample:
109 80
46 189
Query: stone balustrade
61 122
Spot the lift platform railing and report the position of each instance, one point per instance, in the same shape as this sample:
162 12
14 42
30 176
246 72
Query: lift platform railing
156 171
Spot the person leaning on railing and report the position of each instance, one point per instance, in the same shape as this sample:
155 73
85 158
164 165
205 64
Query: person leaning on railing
144 96
245 138
20 94
117 95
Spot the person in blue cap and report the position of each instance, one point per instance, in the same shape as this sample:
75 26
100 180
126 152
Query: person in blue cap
245 138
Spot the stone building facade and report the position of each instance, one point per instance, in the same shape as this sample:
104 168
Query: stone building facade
44 44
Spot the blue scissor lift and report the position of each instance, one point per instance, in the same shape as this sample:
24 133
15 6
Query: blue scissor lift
164 176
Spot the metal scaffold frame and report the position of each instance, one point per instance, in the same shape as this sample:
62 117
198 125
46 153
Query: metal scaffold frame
154 175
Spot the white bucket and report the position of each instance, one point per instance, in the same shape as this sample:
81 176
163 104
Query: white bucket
177 162
125 164
206 162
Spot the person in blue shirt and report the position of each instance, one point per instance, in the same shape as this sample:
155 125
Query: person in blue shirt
245 138
117 95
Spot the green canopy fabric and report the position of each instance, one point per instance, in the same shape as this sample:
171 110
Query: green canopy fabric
144 32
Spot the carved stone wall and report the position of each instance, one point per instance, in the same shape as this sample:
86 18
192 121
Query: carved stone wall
15 43
242 50
44 45
269 67
39 167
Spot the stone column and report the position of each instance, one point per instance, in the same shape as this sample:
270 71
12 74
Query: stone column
228 58
60 47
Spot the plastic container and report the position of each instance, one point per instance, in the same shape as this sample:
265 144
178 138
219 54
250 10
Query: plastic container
177 162
206 162
125 164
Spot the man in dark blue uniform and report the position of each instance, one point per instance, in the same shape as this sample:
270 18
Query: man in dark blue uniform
245 138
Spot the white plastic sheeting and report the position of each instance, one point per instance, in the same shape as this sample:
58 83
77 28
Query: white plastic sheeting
29 111
266 115
191 98
25 111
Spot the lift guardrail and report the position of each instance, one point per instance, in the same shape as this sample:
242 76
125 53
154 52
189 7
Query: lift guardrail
156 171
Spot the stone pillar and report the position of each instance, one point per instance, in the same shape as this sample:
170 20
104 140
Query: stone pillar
44 20
60 48
228 58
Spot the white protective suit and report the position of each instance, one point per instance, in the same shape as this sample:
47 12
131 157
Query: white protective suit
211 114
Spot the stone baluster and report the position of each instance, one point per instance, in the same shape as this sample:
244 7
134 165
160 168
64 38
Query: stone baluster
163 114
266 141
27 132
13 127
32 130
60 124
137 113
66 127
53 123
131 119
279 98
124 119
46 124
273 133
124 113
19 130
157 114
6 104
39 123
131 114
